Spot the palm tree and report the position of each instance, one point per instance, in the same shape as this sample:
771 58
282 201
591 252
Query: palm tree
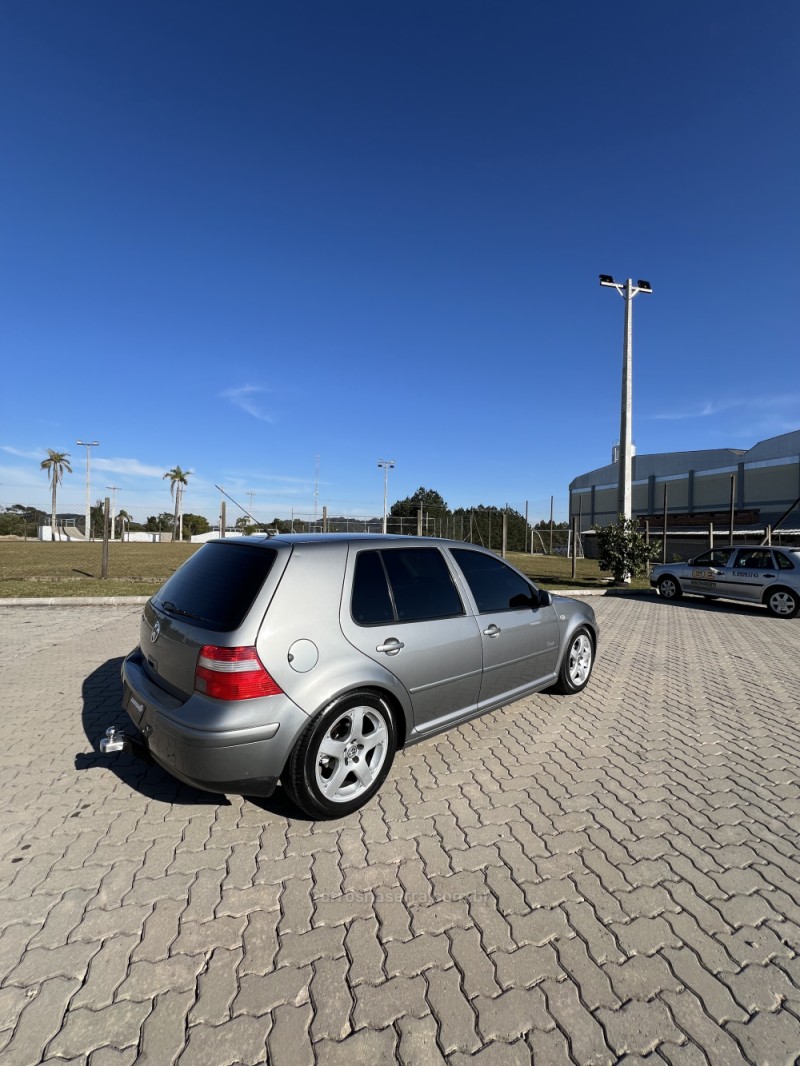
178 479
56 464
122 518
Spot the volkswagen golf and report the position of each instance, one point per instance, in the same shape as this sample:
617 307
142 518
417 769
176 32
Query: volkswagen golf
311 659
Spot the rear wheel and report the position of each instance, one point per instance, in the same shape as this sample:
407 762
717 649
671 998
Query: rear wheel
342 757
576 666
668 588
782 602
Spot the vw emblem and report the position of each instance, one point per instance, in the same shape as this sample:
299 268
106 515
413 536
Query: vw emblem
156 633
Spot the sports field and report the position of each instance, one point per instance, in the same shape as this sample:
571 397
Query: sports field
44 569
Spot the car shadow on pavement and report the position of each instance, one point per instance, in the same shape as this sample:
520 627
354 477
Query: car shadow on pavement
718 606
102 707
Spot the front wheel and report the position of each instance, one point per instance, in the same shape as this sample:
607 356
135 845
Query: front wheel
668 588
342 757
782 603
576 666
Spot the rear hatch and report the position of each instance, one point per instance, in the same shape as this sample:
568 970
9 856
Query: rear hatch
208 601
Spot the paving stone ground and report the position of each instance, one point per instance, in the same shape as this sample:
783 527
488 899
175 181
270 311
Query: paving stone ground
607 878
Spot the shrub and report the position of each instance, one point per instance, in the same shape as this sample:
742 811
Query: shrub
623 549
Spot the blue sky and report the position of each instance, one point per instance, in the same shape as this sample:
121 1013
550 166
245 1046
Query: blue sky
238 236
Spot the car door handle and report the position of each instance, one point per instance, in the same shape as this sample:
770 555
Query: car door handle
492 631
391 647
771 576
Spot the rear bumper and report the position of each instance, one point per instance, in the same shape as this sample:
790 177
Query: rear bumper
219 747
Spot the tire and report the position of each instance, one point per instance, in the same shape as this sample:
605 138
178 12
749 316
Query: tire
668 588
342 757
782 602
576 666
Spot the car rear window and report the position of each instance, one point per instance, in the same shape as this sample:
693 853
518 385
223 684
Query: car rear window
216 587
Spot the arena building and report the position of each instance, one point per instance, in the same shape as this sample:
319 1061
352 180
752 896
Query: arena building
765 480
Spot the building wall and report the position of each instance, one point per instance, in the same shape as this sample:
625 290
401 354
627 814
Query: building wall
767 477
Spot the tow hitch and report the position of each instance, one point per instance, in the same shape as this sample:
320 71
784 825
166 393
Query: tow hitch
115 740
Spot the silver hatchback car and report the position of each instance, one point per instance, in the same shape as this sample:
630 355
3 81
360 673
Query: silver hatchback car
313 658
752 572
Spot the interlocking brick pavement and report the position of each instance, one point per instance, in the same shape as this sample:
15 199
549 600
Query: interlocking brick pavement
608 878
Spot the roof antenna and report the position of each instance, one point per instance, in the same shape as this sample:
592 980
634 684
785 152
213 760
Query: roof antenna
247 513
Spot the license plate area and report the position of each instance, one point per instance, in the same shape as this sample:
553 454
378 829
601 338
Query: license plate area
135 706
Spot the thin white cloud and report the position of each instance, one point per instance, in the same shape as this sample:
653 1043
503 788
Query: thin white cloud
716 407
246 398
127 467
17 477
20 453
705 410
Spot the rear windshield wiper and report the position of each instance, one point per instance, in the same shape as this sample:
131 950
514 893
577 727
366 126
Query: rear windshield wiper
172 608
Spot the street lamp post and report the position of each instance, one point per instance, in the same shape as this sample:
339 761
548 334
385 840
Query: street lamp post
88 445
625 454
113 490
386 465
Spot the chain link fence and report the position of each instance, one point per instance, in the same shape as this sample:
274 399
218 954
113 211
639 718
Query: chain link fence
491 527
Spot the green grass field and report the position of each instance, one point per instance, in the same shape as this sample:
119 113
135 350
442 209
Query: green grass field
44 569
36 568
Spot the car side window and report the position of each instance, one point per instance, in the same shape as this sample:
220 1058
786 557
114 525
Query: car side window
495 586
715 557
754 559
371 603
403 585
784 563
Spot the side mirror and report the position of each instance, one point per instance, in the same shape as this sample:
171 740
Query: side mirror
690 562
545 599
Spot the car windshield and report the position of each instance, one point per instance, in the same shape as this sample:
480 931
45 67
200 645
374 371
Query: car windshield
216 587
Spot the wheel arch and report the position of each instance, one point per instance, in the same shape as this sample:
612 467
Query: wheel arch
394 706
669 576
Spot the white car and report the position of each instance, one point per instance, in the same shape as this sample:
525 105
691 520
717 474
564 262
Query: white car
754 573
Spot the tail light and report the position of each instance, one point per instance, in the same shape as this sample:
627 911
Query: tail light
232 674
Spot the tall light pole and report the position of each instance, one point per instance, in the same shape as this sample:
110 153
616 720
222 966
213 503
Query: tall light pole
113 490
88 445
625 454
386 465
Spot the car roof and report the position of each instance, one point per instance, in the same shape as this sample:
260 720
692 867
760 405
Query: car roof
752 547
278 540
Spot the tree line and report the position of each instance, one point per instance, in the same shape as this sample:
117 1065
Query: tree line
479 524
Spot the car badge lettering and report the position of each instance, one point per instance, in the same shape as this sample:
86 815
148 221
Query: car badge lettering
156 633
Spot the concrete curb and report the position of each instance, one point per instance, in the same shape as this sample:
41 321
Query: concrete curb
73 601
